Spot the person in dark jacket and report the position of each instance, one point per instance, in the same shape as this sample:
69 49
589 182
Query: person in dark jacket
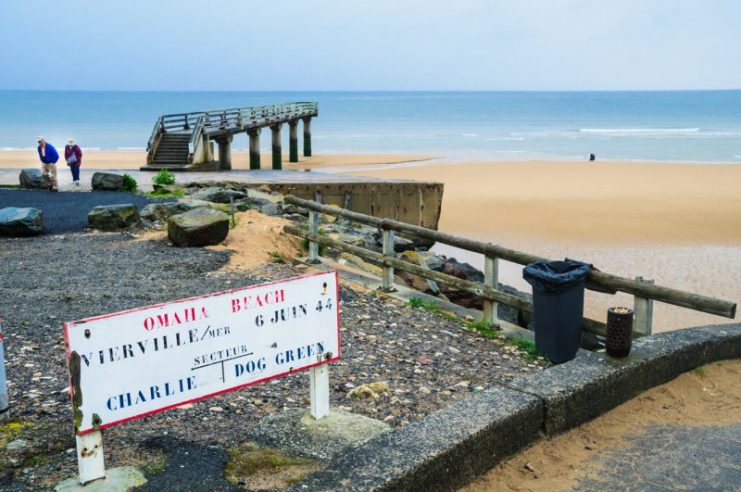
49 157
73 156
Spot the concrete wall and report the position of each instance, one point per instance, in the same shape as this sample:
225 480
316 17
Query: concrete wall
417 203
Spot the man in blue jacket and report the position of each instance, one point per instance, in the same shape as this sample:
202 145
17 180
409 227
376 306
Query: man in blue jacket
49 157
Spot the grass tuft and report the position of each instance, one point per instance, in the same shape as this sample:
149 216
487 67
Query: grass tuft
484 327
248 460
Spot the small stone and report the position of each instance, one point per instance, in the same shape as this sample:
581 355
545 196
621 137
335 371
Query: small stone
17 446
454 350
216 409
424 360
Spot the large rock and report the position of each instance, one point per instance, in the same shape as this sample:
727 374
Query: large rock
107 182
199 227
462 270
414 281
218 194
20 222
162 211
33 179
113 217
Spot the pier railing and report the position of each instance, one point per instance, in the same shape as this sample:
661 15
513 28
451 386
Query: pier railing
224 121
644 292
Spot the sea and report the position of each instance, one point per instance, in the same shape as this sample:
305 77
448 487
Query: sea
672 126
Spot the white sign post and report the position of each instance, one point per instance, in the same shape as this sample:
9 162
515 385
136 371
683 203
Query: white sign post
128 365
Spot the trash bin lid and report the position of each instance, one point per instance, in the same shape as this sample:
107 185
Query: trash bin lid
555 276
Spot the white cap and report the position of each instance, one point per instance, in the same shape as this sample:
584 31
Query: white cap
39 138
71 141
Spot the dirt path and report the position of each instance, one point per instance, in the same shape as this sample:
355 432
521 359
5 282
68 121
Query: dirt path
685 435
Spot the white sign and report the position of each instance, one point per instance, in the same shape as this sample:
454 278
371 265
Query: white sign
139 362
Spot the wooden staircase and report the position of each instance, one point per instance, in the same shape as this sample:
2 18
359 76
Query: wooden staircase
172 151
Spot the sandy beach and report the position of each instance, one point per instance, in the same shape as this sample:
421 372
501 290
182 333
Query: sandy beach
679 224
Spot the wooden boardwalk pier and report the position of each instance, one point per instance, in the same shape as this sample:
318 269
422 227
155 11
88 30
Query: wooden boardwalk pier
184 141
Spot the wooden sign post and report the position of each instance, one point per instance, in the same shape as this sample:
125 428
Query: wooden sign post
128 365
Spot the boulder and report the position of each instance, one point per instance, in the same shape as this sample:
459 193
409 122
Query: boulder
217 194
107 182
414 281
165 188
18 222
199 227
32 179
462 270
113 217
162 211
271 209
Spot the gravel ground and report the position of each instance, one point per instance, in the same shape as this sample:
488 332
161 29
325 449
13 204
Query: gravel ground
66 211
428 361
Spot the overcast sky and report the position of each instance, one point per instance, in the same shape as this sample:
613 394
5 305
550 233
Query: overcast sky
370 44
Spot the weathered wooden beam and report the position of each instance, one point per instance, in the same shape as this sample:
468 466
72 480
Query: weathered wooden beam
596 280
475 288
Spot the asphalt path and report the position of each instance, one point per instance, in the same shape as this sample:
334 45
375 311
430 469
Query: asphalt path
66 211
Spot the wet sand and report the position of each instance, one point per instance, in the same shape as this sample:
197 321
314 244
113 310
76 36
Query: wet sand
105 159
679 224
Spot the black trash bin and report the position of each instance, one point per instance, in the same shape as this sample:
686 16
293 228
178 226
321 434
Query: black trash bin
558 300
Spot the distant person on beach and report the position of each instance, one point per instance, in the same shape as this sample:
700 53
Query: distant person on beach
592 157
73 156
49 157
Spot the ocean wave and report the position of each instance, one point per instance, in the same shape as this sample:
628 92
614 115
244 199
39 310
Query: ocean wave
504 139
14 149
639 131
131 148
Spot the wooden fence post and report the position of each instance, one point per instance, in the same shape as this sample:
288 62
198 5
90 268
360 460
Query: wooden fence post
387 279
644 312
491 279
314 229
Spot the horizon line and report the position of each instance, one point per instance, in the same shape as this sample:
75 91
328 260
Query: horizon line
368 90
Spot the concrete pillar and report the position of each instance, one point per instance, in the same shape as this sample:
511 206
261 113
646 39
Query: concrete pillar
307 136
225 152
277 158
293 140
254 148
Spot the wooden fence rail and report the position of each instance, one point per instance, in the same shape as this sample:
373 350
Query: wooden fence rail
644 291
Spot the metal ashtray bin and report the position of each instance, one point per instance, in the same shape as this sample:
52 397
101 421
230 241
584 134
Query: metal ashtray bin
619 331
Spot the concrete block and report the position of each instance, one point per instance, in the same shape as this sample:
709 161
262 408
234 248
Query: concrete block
441 452
122 479
592 384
